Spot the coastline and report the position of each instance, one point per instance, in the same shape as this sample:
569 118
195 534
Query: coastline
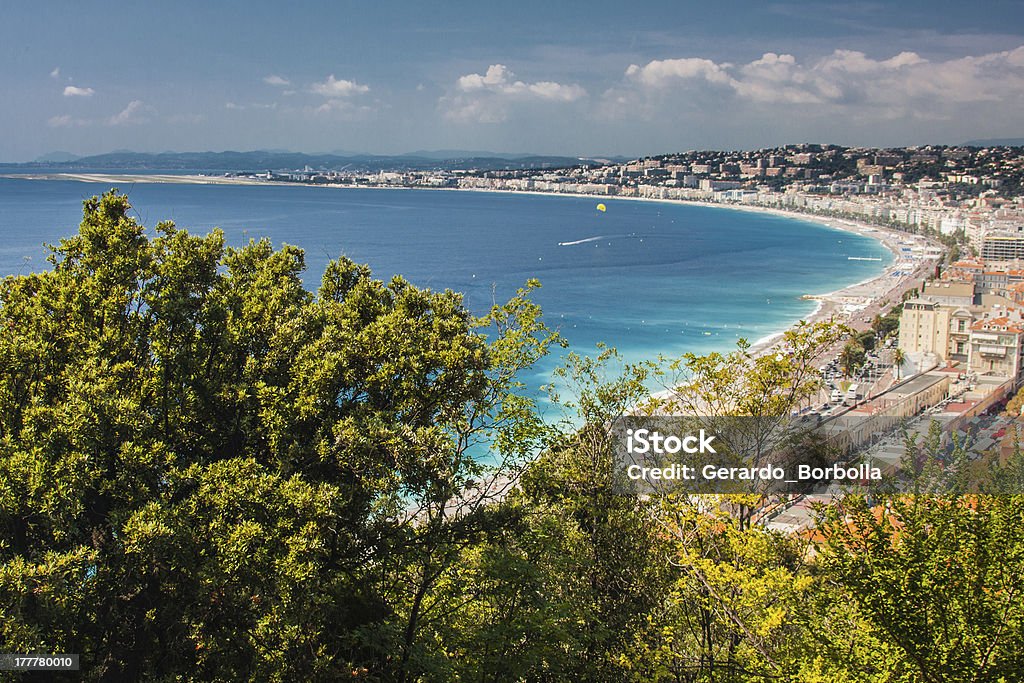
847 305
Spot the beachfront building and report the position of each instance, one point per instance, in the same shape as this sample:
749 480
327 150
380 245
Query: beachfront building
939 326
995 346
925 328
966 269
1003 245
949 293
985 340
959 348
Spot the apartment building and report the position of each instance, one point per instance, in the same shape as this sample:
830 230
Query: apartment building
925 328
995 345
1003 245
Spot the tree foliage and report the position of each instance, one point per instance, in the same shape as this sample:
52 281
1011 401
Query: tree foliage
207 469
938 578
210 472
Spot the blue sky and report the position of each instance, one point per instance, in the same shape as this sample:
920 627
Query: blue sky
581 78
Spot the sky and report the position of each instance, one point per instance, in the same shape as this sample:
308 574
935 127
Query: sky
552 77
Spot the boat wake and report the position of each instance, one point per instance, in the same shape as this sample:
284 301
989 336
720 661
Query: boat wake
595 239
862 258
583 241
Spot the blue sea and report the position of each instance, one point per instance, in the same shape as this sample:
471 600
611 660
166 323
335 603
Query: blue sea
648 278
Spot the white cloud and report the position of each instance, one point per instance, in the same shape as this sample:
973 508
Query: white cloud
662 73
489 97
274 79
65 121
905 84
133 113
339 93
549 90
343 109
254 105
499 79
332 106
497 76
55 73
75 91
335 87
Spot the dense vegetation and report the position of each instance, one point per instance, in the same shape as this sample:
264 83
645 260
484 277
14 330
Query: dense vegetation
208 472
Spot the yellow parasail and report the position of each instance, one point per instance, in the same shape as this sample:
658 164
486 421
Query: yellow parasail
602 207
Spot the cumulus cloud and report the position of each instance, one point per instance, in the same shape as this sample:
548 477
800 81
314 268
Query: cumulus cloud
343 109
845 78
499 79
75 91
339 93
65 121
662 73
338 87
488 97
133 113
235 106
55 73
274 79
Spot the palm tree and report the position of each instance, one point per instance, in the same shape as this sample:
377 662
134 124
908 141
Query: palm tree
897 360
851 358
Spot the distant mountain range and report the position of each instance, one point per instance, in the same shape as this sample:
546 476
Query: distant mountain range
280 160
57 158
997 142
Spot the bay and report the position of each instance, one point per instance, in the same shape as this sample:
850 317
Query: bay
648 278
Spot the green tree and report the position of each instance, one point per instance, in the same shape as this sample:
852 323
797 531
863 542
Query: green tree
208 471
937 578
898 358
889 323
736 588
866 340
851 358
562 591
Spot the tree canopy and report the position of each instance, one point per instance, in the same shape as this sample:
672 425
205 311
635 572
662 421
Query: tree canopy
210 472
206 468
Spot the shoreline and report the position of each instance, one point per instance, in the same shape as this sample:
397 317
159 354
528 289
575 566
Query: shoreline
842 305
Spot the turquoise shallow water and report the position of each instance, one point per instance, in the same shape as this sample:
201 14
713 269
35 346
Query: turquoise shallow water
646 277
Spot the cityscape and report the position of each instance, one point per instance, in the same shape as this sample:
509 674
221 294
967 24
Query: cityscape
971 194
533 342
